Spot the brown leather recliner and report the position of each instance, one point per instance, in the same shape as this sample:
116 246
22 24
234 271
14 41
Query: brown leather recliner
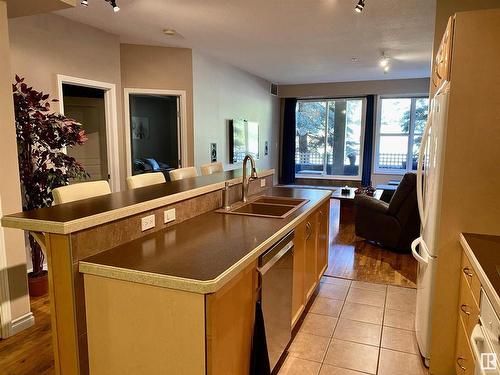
395 224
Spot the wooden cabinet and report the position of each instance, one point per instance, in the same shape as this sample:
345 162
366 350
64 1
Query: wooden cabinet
468 311
230 314
310 277
442 62
299 264
310 258
464 361
323 234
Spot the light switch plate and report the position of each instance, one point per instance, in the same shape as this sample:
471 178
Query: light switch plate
147 222
169 215
262 182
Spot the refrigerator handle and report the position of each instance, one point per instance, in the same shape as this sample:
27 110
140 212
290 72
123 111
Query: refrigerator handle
415 253
420 171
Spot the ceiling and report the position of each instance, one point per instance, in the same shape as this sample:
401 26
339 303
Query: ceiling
284 41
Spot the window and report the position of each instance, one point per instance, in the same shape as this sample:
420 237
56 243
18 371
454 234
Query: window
400 126
329 138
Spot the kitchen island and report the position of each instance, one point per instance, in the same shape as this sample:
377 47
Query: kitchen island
182 301
202 255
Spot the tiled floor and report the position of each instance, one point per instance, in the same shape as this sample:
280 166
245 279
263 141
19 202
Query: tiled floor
356 328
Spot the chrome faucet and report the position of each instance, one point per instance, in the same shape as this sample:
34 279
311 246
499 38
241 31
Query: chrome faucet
253 176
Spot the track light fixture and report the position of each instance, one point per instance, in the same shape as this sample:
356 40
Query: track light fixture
115 7
359 6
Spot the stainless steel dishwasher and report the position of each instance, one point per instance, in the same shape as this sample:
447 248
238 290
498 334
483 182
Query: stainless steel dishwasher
276 270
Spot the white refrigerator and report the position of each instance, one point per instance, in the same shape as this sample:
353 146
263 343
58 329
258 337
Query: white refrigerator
429 179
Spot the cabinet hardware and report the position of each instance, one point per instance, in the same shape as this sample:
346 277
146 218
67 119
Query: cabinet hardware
468 272
464 309
309 231
459 363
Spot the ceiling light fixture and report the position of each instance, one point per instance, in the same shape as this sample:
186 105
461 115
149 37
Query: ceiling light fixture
85 3
169 32
384 62
360 6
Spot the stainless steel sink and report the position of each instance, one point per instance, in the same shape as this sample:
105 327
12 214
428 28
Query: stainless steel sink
267 206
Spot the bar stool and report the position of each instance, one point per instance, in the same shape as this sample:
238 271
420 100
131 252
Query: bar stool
145 179
82 190
207 169
181 173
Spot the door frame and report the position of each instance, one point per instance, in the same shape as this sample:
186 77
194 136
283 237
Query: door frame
111 114
5 312
181 123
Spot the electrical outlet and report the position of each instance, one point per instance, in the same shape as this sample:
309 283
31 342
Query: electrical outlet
147 222
262 182
169 215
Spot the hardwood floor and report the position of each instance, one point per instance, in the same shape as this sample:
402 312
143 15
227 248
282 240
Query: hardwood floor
30 352
350 257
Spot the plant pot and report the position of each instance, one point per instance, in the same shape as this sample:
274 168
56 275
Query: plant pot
38 285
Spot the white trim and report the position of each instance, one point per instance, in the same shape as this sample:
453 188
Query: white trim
111 120
21 323
5 313
182 137
382 171
327 177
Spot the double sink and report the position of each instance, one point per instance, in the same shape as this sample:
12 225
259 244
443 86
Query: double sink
267 206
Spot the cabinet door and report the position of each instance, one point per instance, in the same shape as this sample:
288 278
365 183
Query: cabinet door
322 235
310 249
230 314
299 264
464 359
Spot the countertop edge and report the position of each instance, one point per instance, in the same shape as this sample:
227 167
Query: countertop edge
87 222
193 285
483 278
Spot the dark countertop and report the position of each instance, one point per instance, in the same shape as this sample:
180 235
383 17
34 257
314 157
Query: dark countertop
79 215
202 253
486 250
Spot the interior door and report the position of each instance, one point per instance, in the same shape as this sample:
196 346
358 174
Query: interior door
93 155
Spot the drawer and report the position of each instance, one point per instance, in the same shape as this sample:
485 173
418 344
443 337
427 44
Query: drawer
468 308
471 277
464 359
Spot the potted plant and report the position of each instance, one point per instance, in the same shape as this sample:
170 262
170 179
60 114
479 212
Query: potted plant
42 137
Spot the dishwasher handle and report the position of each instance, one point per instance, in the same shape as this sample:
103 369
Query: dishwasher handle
280 254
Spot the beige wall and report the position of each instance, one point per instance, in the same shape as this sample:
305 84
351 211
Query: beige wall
19 8
148 67
10 194
43 46
223 92
359 88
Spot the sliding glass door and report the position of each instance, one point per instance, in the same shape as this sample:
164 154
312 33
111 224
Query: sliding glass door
329 138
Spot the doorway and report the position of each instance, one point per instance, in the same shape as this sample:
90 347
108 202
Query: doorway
93 104
86 105
155 130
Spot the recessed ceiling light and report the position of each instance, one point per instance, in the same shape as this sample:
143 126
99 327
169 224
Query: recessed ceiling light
169 32
354 59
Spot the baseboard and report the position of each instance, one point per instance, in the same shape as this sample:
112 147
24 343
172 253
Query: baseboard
21 323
